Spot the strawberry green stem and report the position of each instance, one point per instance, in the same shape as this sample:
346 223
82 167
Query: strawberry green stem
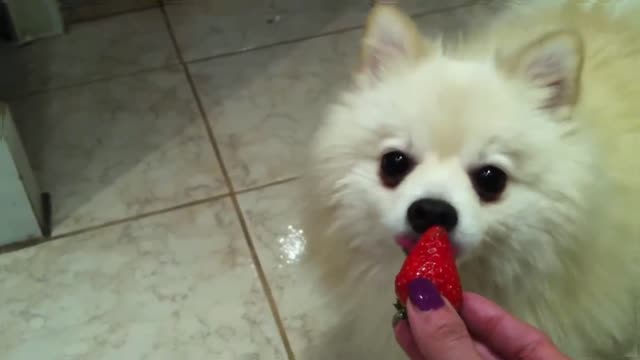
401 312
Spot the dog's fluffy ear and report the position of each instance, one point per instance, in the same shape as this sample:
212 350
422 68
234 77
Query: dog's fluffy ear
552 64
391 38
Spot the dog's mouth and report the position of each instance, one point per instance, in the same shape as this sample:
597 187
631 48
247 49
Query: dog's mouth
408 241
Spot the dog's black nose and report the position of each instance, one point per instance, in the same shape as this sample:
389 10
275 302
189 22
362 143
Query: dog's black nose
425 213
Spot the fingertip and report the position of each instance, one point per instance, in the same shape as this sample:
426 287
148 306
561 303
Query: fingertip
440 333
404 338
402 333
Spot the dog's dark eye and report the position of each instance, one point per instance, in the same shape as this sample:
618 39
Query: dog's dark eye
489 182
394 166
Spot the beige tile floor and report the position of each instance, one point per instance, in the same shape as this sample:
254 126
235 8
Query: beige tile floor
170 141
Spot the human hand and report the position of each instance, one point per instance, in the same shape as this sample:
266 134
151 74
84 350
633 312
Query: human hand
482 330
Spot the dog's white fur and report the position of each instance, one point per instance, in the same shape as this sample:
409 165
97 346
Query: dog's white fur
551 94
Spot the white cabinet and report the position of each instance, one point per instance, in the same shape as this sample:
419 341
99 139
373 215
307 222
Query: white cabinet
21 215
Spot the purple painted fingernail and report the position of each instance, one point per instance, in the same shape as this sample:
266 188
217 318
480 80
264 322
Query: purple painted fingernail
424 295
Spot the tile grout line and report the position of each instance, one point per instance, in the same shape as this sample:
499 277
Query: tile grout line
36 92
232 194
41 240
113 14
176 63
231 53
344 30
37 241
267 185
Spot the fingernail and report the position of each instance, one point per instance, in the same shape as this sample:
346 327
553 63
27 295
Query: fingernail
424 295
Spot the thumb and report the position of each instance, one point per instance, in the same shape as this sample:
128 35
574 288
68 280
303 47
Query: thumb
438 331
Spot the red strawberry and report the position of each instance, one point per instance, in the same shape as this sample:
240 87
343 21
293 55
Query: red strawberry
431 258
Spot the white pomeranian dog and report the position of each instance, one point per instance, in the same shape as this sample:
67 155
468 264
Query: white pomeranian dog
523 140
